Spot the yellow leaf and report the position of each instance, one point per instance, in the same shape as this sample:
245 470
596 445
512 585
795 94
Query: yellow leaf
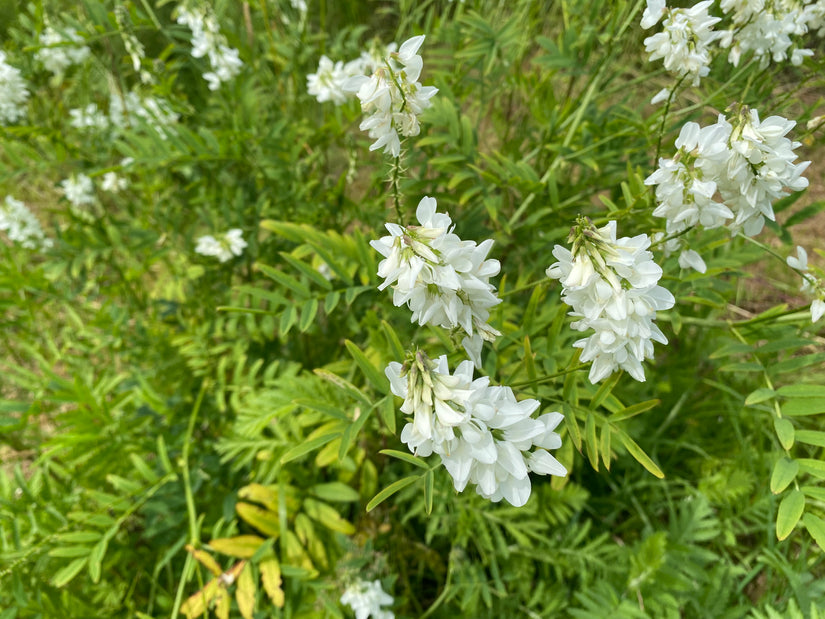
271 580
264 520
197 603
206 559
223 604
240 546
245 592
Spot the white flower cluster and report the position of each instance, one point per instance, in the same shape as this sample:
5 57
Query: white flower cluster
810 283
13 93
208 41
113 183
684 45
765 28
482 434
155 112
21 226
89 117
727 174
229 244
327 83
392 98
59 51
444 281
612 287
366 599
78 190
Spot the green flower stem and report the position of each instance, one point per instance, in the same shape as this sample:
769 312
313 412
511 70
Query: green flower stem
395 179
550 377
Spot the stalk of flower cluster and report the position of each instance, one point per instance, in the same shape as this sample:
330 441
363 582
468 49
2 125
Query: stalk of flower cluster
482 434
443 280
611 285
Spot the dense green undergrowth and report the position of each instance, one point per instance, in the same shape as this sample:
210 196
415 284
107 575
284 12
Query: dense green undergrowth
188 437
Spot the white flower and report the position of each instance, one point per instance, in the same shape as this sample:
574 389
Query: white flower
13 93
59 51
366 600
810 283
443 280
208 41
21 226
611 285
684 45
78 190
327 83
747 162
89 117
482 434
766 29
154 112
223 248
392 98
113 183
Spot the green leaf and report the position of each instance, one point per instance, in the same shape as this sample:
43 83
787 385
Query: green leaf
352 430
784 472
308 313
802 391
387 411
590 441
285 280
392 339
812 467
811 437
63 577
304 448
785 432
800 407
429 481
789 513
376 378
327 516
816 528
408 458
640 456
760 395
96 559
605 389
632 411
391 490
344 385
307 270
335 491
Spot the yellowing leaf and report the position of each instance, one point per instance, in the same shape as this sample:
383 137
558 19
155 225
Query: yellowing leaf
240 546
262 519
245 592
271 580
205 559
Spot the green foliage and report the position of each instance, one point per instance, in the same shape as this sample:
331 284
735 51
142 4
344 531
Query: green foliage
188 437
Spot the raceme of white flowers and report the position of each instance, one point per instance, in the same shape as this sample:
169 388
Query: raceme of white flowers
612 286
208 41
367 598
153 111
443 280
61 50
684 43
89 117
78 190
113 183
767 29
392 97
13 93
327 83
482 434
727 174
810 283
21 225
224 247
